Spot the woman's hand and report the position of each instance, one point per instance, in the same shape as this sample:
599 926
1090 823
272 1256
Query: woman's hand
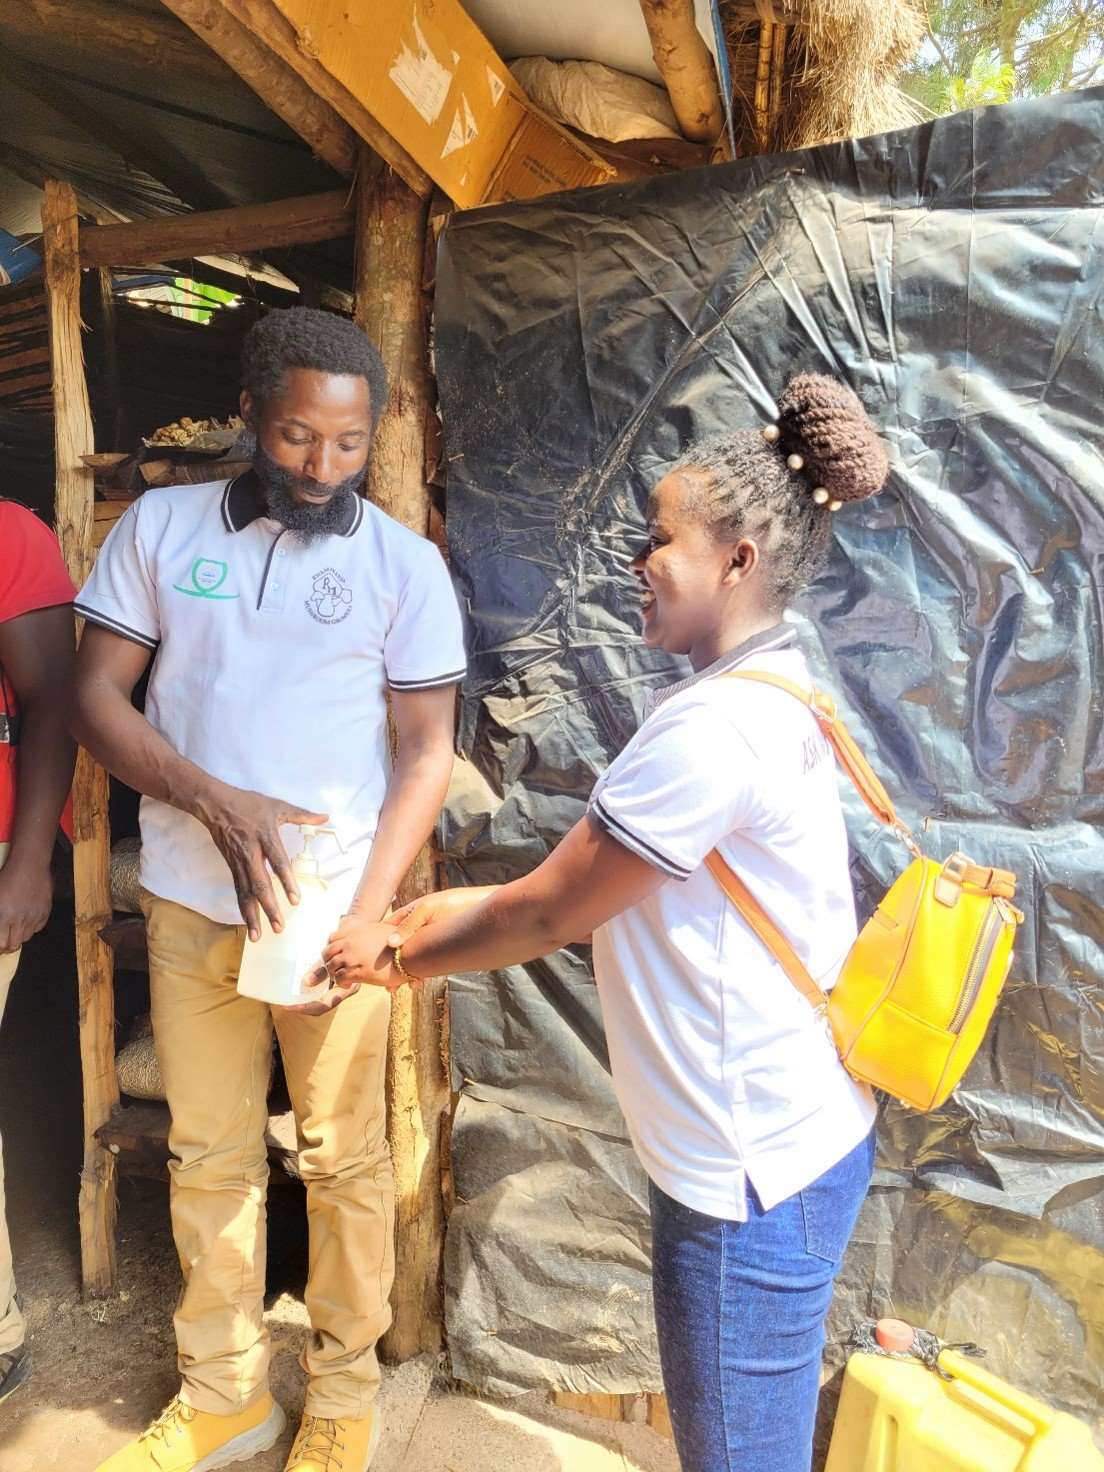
359 953
443 905
362 951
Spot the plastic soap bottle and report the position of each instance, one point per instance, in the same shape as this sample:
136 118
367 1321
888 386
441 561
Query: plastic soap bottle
277 967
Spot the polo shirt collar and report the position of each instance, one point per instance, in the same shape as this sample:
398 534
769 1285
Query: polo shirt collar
243 503
778 636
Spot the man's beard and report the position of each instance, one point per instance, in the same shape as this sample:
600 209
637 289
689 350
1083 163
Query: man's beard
308 522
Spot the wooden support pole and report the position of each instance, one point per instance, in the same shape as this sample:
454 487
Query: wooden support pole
686 65
762 85
263 19
91 839
112 419
298 221
274 82
778 75
391 226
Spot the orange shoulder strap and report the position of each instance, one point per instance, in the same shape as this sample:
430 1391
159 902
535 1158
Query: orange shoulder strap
764 927
870 790
997 882
851 759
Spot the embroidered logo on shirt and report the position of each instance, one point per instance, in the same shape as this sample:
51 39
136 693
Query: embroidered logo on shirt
331 600
208 575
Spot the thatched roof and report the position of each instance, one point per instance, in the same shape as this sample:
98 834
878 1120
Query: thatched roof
820 69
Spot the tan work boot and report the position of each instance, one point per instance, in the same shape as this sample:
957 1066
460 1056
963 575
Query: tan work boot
186 1440
335 1446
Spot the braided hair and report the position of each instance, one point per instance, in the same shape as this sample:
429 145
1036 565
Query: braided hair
750 489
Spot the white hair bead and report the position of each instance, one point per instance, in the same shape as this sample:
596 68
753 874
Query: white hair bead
795 462
772 434
834 505
820 496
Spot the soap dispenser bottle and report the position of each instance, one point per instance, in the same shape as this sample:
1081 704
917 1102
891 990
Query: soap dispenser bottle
277 967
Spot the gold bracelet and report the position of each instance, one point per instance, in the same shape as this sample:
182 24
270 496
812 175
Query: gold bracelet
396 952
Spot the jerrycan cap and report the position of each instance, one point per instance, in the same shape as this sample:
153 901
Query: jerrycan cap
894 1335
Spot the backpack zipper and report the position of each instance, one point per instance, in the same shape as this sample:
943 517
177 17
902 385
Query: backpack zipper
986 943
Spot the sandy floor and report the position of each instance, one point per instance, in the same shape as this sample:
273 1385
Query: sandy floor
102 1371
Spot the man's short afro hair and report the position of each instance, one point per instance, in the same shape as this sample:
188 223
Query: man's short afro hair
302 337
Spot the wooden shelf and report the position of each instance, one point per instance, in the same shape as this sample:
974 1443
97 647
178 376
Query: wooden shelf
138 1135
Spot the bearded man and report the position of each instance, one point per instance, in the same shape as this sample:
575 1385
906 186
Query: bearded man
279 611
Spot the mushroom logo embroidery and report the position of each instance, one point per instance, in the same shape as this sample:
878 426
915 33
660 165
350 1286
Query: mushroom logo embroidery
331 600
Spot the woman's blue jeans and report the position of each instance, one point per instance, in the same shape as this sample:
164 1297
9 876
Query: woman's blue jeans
740 1308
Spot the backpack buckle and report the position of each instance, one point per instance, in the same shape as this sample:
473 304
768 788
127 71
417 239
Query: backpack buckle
948 884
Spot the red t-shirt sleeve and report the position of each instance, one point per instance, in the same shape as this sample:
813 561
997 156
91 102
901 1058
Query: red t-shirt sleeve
32 573
32 576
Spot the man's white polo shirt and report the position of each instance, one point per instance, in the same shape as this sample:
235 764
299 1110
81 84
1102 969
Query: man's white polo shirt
723 1071
273 657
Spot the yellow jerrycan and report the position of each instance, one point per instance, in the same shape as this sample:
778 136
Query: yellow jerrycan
896 1415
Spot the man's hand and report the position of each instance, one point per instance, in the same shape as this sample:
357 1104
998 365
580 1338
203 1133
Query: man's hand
246 829
430 907
340 991
26 894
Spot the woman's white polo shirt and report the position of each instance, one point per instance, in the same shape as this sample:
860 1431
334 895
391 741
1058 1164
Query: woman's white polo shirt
273 658
724 1073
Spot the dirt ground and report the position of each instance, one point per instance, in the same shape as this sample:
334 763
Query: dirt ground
103 1370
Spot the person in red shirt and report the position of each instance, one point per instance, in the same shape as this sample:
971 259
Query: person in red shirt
36 770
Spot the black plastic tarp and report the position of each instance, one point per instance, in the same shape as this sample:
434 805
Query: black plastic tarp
954 276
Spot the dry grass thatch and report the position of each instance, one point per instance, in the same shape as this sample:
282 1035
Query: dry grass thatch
826 69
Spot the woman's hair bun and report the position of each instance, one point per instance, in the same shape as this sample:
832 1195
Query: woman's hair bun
823 421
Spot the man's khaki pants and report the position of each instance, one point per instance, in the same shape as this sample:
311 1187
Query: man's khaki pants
12 1327
214 1048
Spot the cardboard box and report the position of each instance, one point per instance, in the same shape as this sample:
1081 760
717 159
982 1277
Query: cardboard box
426 73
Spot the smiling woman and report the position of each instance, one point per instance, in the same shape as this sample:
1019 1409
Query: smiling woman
753 506
757 1142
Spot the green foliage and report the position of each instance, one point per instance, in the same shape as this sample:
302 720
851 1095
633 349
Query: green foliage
989 81
983 51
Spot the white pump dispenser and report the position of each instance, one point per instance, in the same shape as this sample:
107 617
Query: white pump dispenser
277 967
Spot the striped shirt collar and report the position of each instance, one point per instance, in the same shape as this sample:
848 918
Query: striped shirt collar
778 636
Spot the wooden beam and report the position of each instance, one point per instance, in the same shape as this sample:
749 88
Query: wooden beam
148 40
91 838
264 20
298 221
687 67
389 306
659 1416
158 159
595 1403
279 88
651 1409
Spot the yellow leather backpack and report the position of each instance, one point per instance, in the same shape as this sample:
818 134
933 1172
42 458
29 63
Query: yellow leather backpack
919 986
